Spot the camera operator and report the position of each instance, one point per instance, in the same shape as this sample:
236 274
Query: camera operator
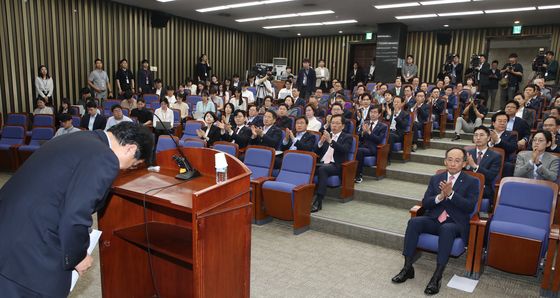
551 67
264 87
513 72
472 116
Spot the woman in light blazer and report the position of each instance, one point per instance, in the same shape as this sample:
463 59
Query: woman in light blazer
323 76
538 163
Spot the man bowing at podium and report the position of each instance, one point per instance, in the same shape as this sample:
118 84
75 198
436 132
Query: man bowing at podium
449 201
46 207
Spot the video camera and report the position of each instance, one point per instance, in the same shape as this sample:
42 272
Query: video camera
262 70
475 61
538 62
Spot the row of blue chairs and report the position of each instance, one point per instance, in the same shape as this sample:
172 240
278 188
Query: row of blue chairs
14 149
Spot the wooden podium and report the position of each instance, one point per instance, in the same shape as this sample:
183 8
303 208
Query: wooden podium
199 231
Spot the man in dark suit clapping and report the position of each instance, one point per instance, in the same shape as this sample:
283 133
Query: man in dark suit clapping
398 122
239 135
501 138
448 201
333 150
372 133
269 135
484 161
44 226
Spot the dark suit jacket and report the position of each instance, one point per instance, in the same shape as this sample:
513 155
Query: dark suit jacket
258 121
438 107
535 103
423 113
529 116
508 143
214 135
522 128
460 206
44 226
354 79
489 167
311 79
485 72
376 137
402 123
341 148
306 143
400 93
241 139
284 122
272 138
410 102
203 71
299 102
99 123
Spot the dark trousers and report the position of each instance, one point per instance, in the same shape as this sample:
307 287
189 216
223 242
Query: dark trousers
394 137
11 289
323 172
360 155
416 127
447 231
305 91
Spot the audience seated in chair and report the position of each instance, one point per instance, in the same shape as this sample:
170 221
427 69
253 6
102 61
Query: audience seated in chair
438 105
525 113
66 126
240 134
313 123
538 163
92 120
500 137
143 115
332 149
337 109
362 111
181 106
449 200
129 102
314 102
300 139
253 117
283 121
517 124
408 97
532 98
42 108
422 114
551 125
484 161
166 117
472 117
398 122
210 133
117 117
372 133
269 134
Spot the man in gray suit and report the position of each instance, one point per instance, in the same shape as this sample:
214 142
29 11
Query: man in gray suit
538 164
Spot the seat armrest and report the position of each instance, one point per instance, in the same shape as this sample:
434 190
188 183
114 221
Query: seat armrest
348 163
554 232
262 180
304 188
476 221
416 210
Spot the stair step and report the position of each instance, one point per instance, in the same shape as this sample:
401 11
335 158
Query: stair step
449 134
428 156
412 172
445 144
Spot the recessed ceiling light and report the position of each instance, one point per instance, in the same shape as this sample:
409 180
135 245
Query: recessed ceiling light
407 4
311 24
289 15
511 9
446 25
416 16
437 2
460 13
340 31
549 7
299 34
238 5
516 22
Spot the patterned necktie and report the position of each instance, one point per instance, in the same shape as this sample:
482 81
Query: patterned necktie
479 158
443 216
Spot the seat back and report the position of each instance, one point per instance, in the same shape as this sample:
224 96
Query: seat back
353 149
189 130
254 90
109 103
193 143
76 121
227 147
155 105
43 120
150 98
370 87
526 201
260 160
316 135
126 112
176 117
165 143
39 135
12 135
352 123
17 119
298 167
193 100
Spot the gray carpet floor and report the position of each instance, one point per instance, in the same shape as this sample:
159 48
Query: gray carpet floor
315 264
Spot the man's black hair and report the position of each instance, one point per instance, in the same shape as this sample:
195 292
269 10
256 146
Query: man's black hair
239 111
130 133
482 127
513 102
91 104
498 113
117 106
457 148
302 117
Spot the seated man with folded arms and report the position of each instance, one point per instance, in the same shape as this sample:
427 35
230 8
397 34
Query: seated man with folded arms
117 117
484 161
538 163
501 138
269 134
422 116
240 134
143 115
373 133
332 149
66 126
448 202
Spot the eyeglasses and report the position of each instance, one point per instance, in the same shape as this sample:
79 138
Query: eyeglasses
539 140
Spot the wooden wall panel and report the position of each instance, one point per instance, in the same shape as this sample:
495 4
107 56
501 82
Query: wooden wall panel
68 35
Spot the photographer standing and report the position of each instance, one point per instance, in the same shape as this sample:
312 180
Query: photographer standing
513 72
551 69
264 88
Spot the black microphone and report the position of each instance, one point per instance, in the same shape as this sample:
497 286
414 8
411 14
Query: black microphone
186 171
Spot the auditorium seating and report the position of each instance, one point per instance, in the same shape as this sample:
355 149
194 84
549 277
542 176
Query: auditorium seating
485 205
346 180
289 196
76 121
260 160
12 137
39 135
519 231
150 98
189 129
41 120
193 143
428 242
227 147
406 145
379 161
126 112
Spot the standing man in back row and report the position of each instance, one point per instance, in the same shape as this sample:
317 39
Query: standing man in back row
98 80
44 226
306 79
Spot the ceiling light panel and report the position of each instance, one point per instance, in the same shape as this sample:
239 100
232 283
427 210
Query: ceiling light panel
407 4
417 16
312 24
243 4
460 13
549 7
438 2
289 15
510 9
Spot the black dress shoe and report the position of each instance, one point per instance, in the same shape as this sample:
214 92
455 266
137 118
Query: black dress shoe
433 286
456 138
317 206
405 274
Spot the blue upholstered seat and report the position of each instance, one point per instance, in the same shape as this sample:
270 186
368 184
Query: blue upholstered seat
165 143
12 135
258 161
39 135
229 148
189 129
296 169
